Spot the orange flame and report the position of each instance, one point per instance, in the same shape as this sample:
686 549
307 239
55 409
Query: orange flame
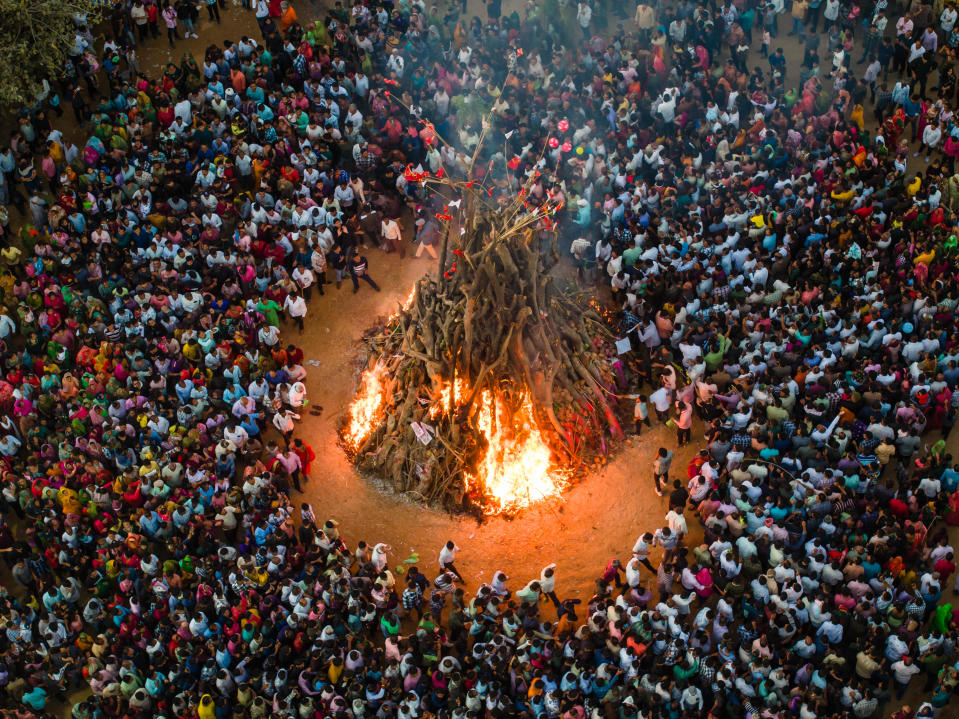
366 409
517 469
407 303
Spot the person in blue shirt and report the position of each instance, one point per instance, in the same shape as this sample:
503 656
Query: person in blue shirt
950 478
248 423
584 214
225 467
36 698
255 93
183 389
150 523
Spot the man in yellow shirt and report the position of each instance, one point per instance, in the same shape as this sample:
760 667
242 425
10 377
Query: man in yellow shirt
645 19
799 9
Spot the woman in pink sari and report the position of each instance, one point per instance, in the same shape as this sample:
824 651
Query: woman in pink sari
705 579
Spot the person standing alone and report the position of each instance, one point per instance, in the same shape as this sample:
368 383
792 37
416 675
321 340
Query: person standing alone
447 559
684 421
170 19
661 469
392 237
358 270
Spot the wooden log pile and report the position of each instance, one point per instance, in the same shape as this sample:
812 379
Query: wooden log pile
493 327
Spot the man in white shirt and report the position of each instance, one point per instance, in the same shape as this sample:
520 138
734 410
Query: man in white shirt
641 551
396 64
442 100
584 15
661 400
902 672
947 20
184 110
268 335
547 583
667 108
447 559
7 326
345 196
677 523
295 306
304 279
262 12
284 423
392 237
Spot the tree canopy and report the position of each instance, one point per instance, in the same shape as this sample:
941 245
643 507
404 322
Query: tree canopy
36 37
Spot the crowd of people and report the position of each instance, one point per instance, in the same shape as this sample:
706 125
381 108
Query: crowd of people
783 273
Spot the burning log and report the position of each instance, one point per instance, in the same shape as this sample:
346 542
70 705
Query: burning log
487 388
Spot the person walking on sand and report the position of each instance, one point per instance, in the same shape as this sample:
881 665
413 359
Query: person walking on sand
358 271
427 234
664 459
291 465
641 551
213 10
640 413
547 584
684 421
447 559
662 398
295 307
283 421
170 19
392 237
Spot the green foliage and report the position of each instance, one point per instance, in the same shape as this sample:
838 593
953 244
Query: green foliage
36 37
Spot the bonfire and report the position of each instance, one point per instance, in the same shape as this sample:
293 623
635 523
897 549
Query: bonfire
490 388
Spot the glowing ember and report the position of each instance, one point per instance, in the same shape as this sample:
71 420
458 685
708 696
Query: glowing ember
366 408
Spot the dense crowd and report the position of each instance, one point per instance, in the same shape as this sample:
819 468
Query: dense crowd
782 275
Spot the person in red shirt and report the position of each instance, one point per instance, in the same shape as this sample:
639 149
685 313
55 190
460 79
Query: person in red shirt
306 454
898 508
153 17
294 355
613 573
945 566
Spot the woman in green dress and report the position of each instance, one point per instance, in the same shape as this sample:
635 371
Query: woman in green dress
190 74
